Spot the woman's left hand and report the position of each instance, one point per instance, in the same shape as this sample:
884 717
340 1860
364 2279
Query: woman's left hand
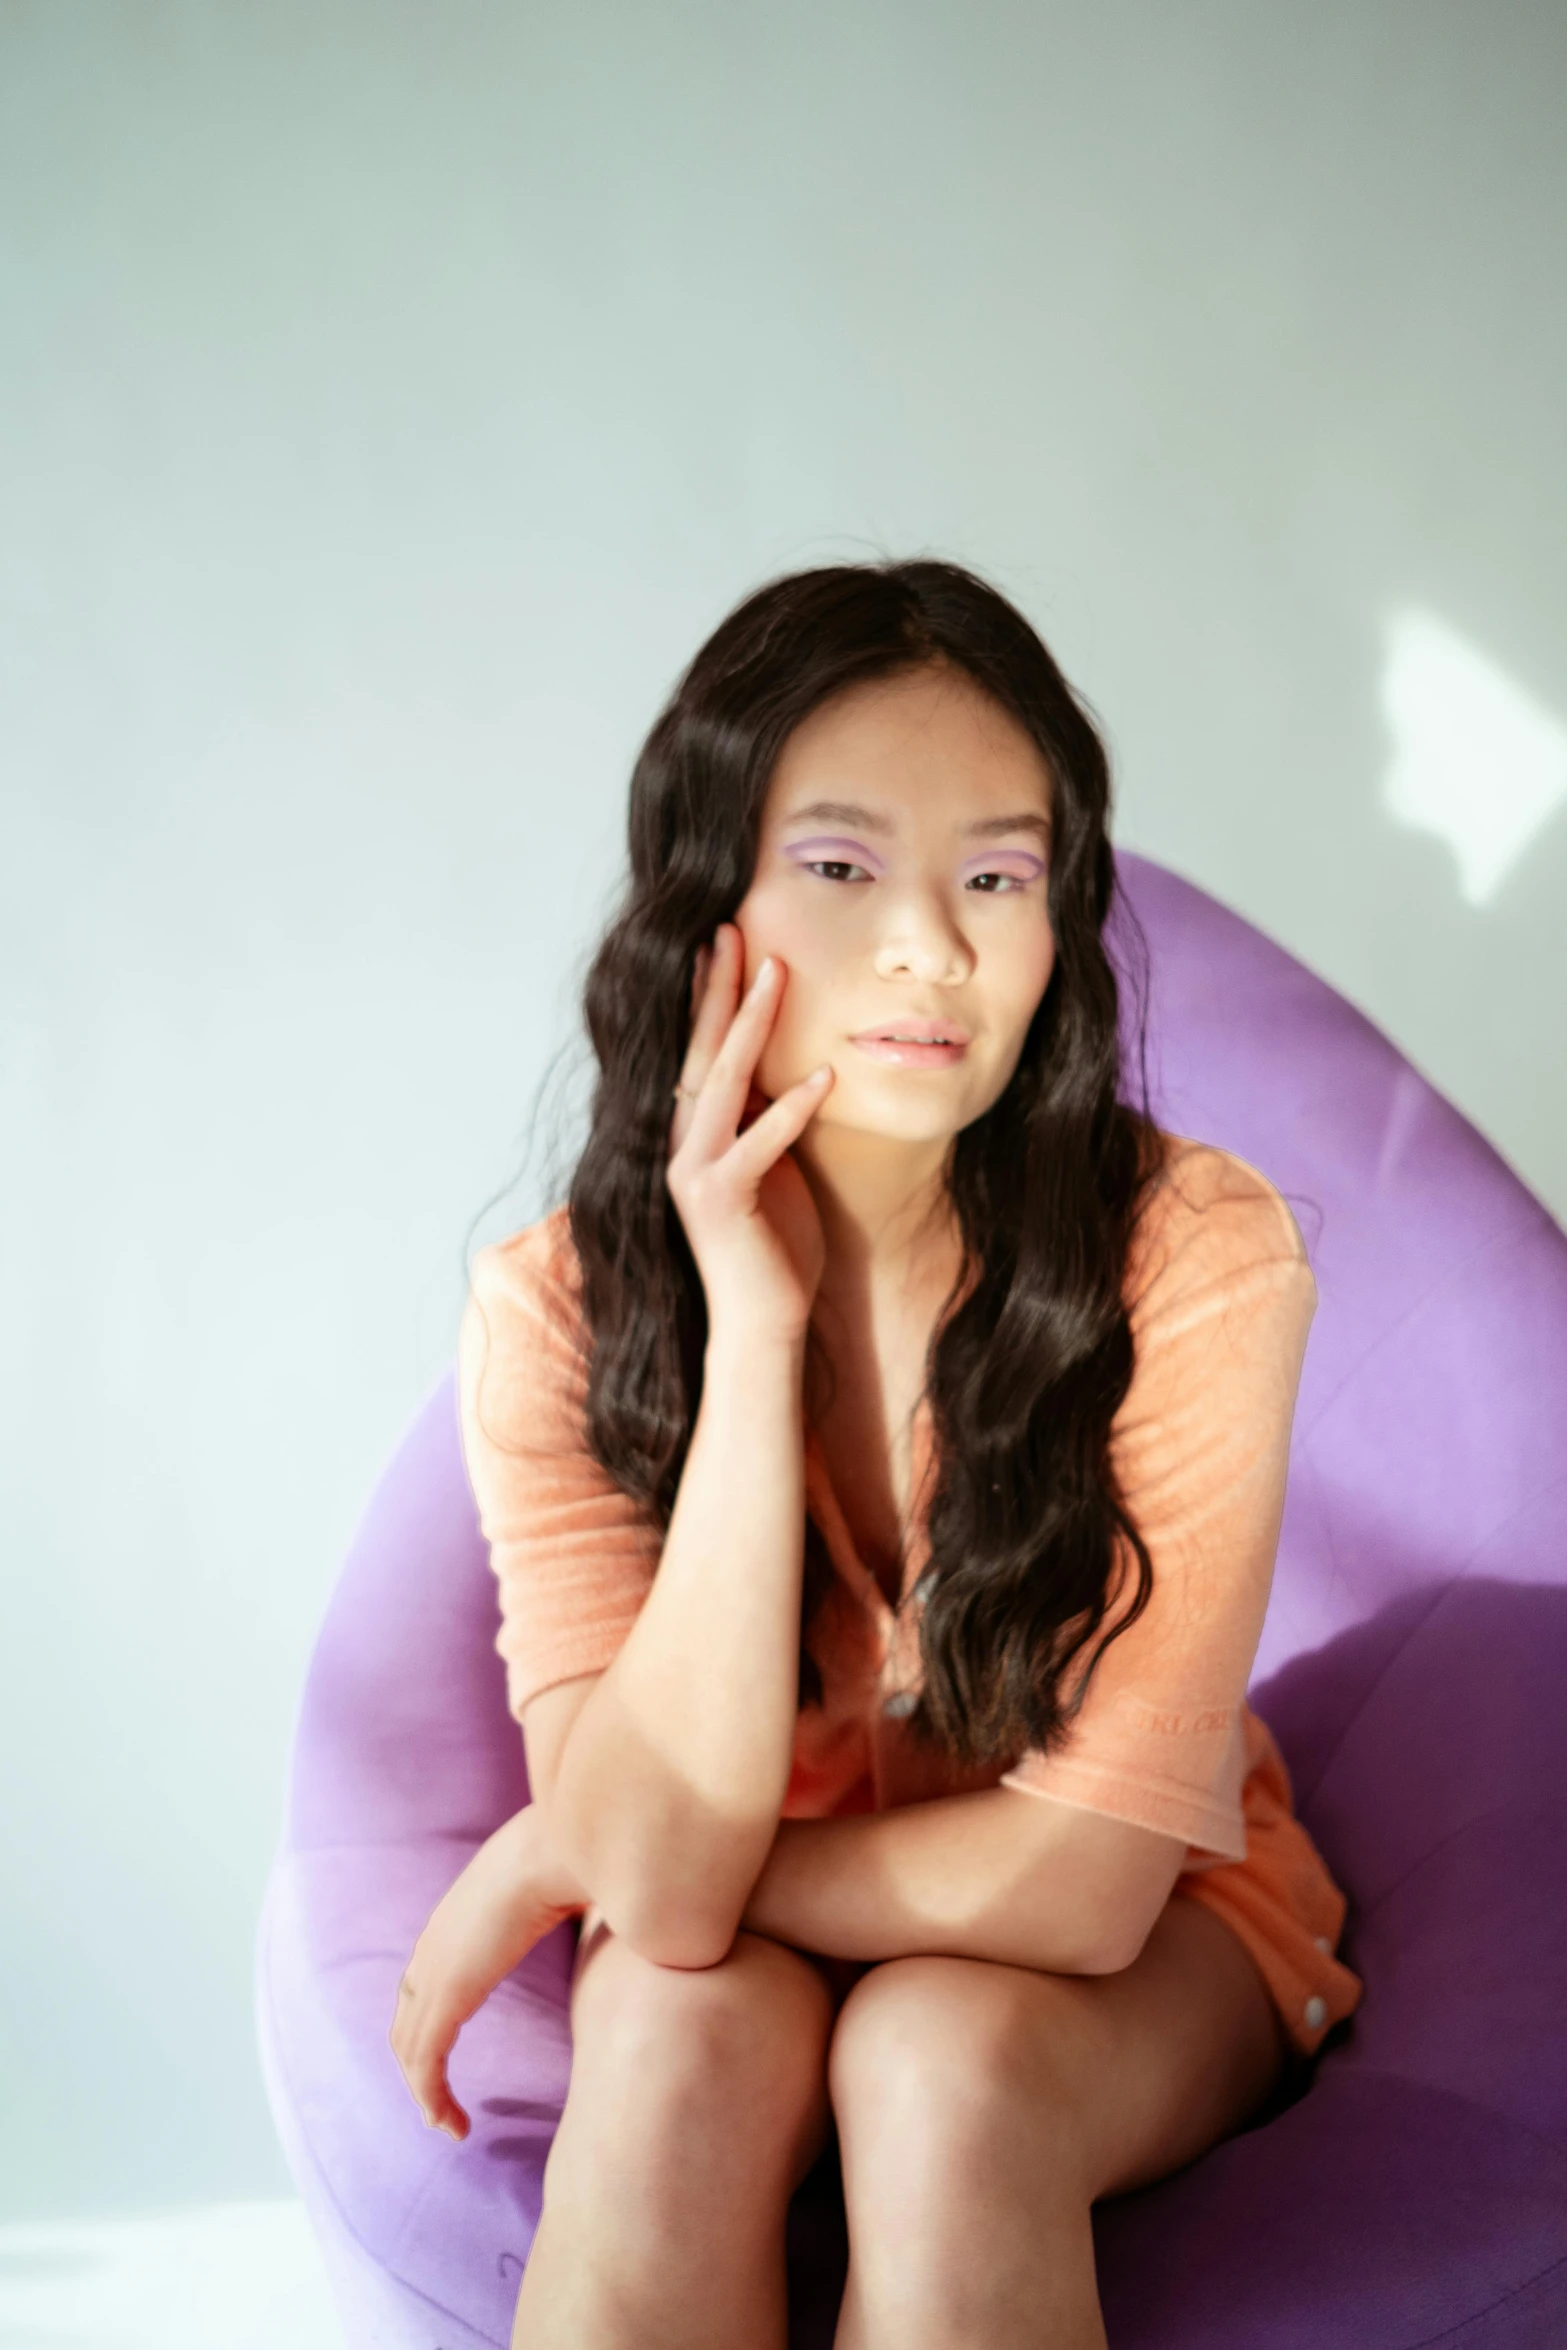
512 1892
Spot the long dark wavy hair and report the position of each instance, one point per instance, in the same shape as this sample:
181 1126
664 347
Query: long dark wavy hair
1030 1544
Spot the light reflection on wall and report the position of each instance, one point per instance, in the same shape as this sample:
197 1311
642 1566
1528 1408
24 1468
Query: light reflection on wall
1476 760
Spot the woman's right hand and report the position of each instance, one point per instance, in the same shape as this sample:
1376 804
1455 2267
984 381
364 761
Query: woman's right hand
746 1207
510 1895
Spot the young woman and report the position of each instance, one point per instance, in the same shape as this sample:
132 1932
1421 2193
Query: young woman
882 1455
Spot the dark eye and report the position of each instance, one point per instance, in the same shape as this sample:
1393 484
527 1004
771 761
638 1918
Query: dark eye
832 867
1011 880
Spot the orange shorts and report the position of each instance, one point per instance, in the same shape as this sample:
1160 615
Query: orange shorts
1283 1905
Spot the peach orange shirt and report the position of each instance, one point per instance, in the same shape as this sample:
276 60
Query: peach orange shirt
1220 1297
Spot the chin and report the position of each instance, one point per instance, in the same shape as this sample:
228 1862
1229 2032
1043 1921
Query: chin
910 1120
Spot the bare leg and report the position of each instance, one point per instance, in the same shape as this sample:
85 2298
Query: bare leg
698 2102
983 2109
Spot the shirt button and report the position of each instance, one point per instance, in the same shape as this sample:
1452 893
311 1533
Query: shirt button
1316 2013
1324 1945
900 1704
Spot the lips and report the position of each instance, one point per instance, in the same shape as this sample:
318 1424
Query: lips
914 1032
905 1044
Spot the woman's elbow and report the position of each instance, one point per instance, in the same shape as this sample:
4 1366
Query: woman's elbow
1115 1943
1110 1955
671 1934
674 1898
672 1916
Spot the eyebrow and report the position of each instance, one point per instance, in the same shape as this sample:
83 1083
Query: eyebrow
866 820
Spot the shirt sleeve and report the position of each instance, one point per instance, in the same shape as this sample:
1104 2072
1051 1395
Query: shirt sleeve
1222 1299
573 1555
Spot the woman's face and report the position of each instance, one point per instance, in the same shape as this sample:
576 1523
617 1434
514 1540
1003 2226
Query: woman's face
901 876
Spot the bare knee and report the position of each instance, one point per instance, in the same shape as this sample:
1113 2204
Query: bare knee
934 2077
696 2098
762 2013
943 2028
720 2058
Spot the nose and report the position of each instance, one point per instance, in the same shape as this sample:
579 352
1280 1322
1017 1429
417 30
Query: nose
921 940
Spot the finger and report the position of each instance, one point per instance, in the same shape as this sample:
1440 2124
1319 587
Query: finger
703 964
425 2073
720 992
781 1124
714 990
421 2036
717 1111
451 2118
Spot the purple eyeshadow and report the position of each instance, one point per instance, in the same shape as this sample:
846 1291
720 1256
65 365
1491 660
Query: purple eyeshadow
1007 861
1018 864
831 848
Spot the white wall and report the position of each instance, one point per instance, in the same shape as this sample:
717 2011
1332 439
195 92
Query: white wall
390 397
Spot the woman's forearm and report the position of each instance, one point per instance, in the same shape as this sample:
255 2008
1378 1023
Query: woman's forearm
669 1787
999 1875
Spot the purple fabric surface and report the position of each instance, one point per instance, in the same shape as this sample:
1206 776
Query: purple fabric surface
1411 1666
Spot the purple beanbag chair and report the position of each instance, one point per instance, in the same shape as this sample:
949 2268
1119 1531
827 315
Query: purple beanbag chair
1412 1666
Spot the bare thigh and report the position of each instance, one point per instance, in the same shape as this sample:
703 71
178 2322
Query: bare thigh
1186 2045
697 2102
983 2109
1119 2079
